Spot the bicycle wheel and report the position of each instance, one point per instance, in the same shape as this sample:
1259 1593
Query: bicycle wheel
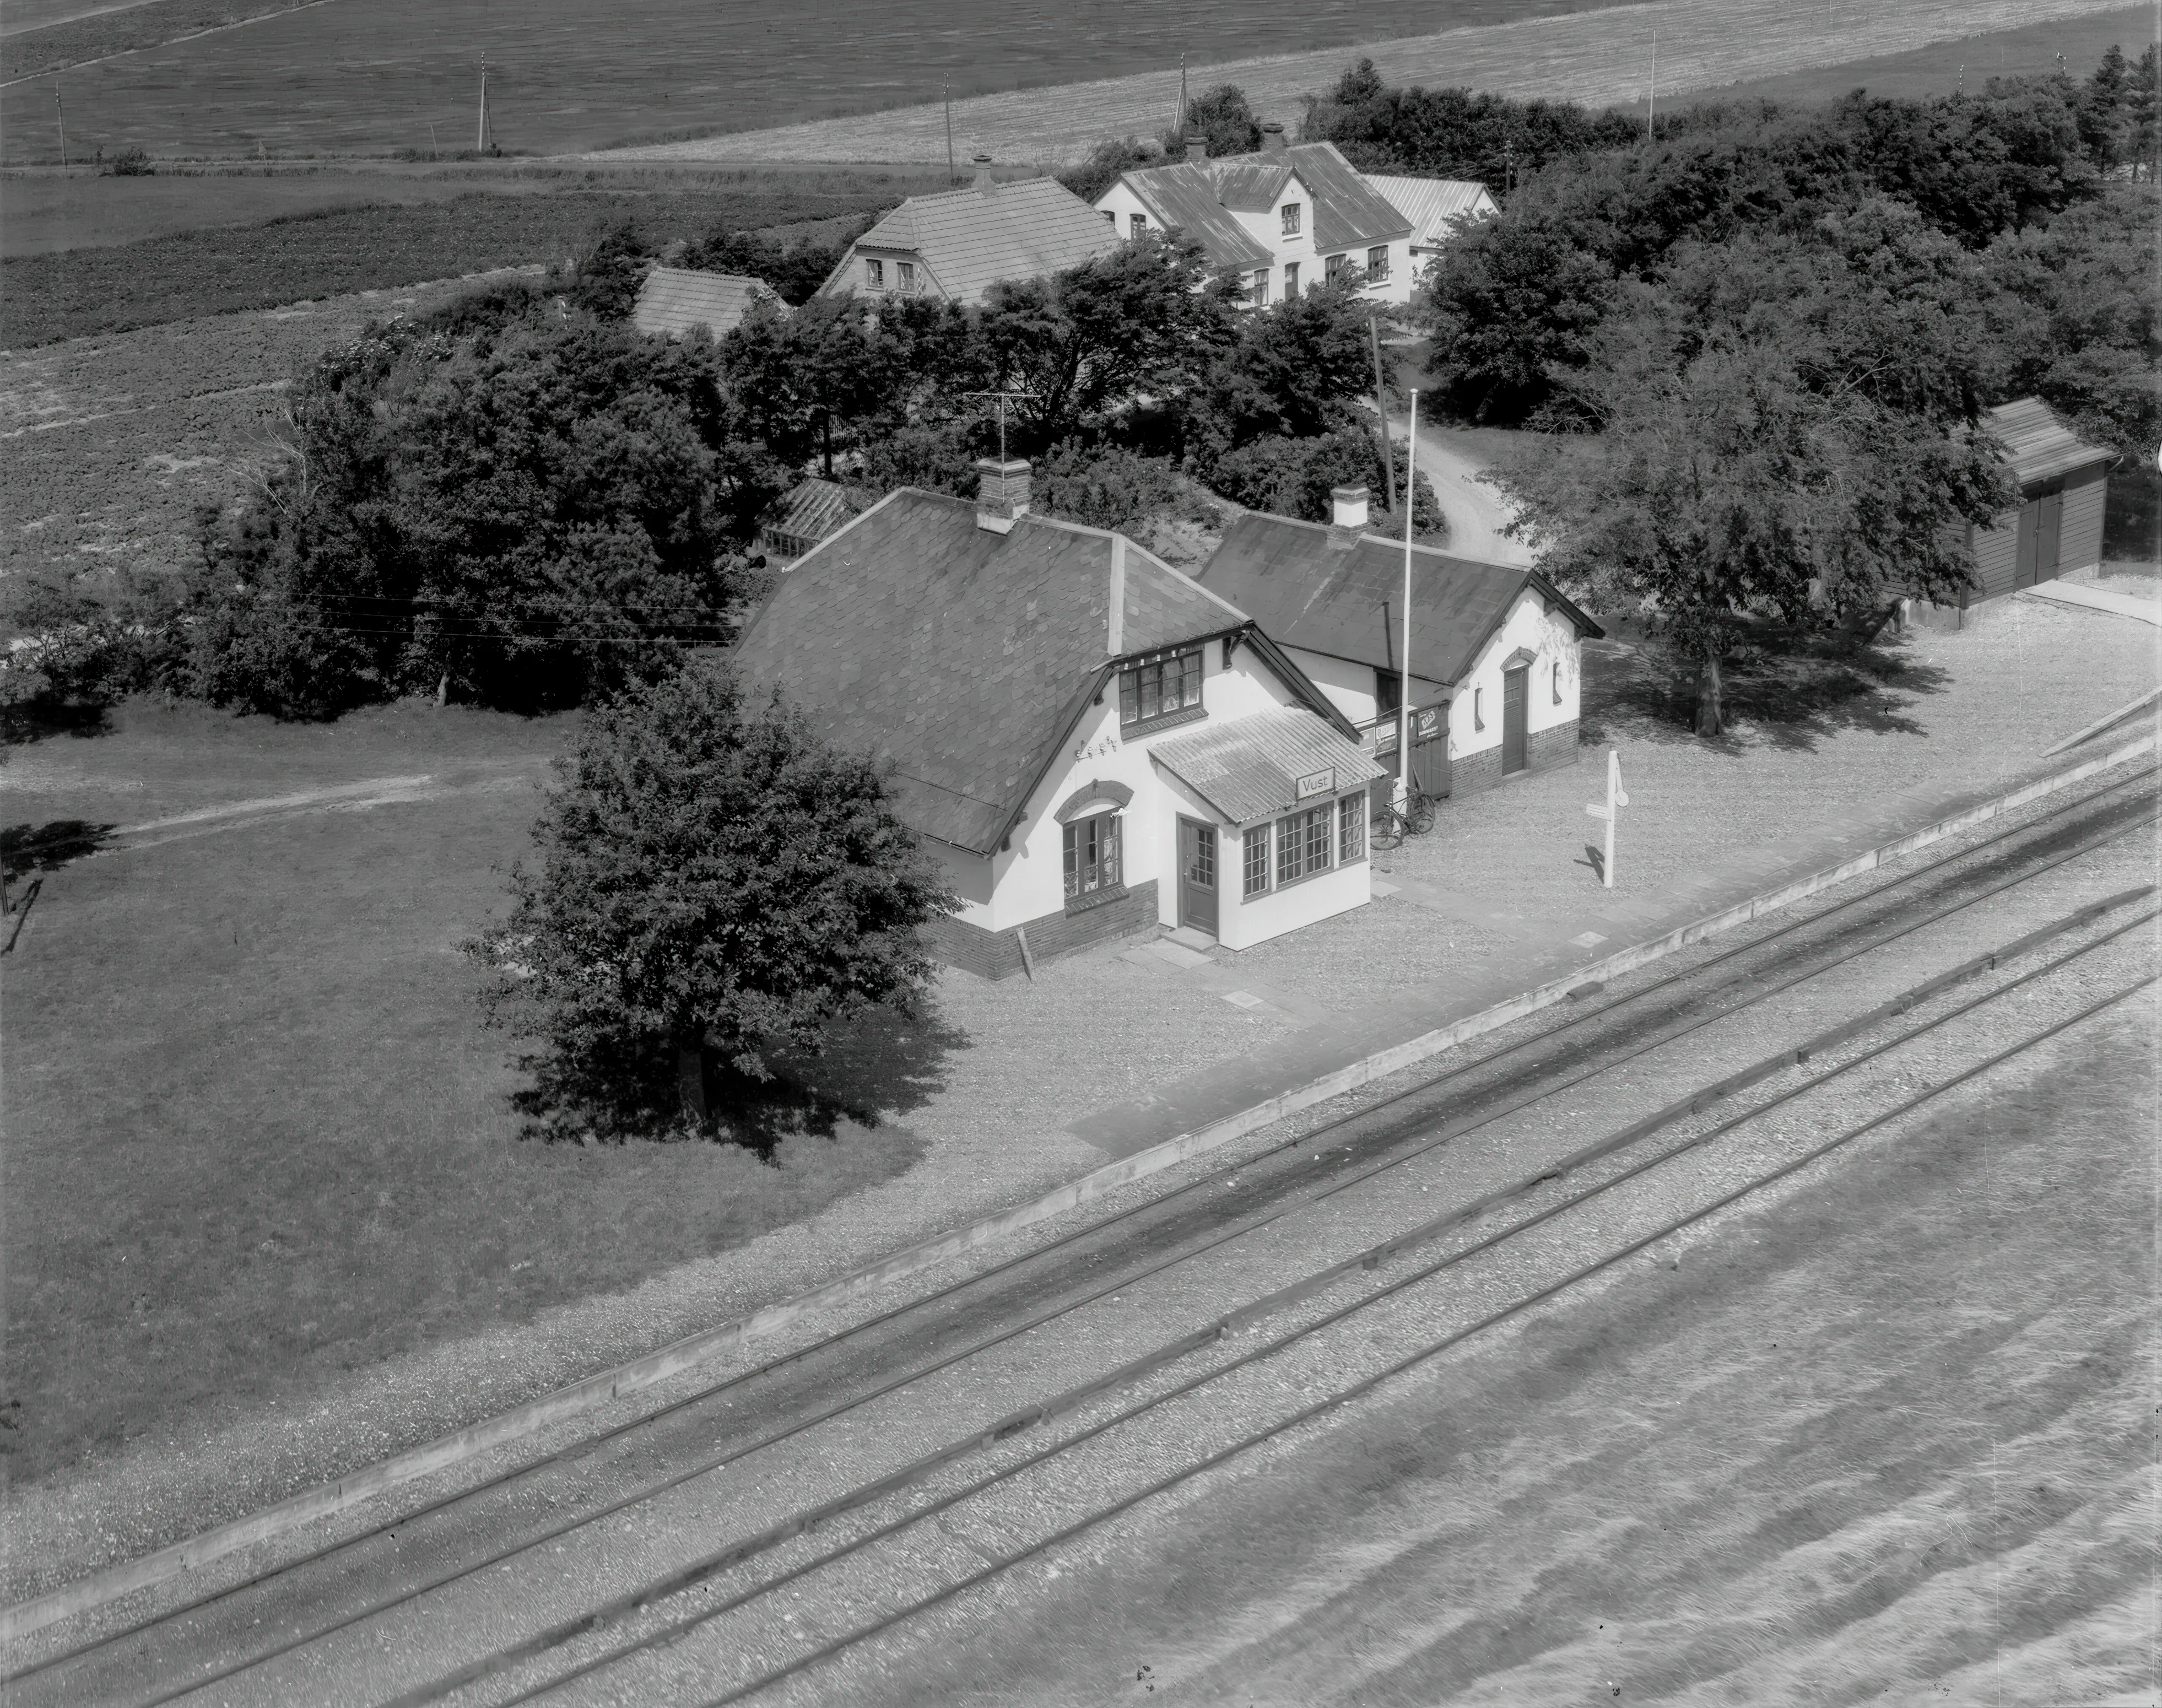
1388 829
1422 815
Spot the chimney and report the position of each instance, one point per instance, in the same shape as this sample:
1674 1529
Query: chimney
1001 492
1272 139
1347 518
984 180
1197 151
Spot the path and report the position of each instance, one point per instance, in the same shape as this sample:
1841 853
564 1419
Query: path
1476 512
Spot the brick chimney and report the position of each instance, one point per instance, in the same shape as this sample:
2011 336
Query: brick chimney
1001 492
1347 518
1197 151
1272 139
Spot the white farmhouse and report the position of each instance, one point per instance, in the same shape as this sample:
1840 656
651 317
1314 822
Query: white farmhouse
1092 745
1280 220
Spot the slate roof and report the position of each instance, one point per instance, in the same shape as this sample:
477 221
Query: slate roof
808 511
673 299
1431 204
969 239
1346 601
1343 212
2039 446
960 657
1249 769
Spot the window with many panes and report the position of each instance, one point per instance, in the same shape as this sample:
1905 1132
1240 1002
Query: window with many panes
1141 223
875 274
906 269
1168 686
1092 857
1291 219
1351 829
1261 292
1334 267
1257 859
1377 264
1306 843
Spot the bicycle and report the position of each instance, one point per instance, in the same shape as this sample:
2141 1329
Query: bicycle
1392 823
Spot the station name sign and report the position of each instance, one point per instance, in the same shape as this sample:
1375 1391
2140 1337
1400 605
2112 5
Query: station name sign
1317 783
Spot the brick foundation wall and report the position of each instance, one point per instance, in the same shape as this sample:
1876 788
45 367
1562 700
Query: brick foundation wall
1546 749
996 954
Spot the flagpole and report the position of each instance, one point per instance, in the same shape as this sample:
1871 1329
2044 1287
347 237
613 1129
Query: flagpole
1404 698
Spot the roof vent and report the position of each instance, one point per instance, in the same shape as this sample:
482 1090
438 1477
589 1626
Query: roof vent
1272 139
1001 492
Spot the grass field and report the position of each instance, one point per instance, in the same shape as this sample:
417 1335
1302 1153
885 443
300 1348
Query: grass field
257 1135
566 75
1939 68
1888 1439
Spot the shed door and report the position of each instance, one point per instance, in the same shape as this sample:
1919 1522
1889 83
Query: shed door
2023 573
1197 876
1515 700
2049 529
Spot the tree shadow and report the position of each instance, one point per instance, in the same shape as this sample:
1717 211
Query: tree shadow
37 720
880 1064
1784 690
48 847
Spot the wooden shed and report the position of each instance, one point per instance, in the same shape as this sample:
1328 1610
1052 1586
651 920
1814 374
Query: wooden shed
2063 481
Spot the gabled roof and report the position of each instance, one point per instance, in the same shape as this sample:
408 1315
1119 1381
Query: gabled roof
1205 200
1306 592
1184 198
673 299
2038 445
969 239
1249 769
960 657
1432 204
809 511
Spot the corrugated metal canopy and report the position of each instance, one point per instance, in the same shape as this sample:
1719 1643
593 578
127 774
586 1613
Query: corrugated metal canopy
1433 205
2039 446
1249 768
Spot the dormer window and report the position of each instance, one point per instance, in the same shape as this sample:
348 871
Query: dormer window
1291 219
874 275
1165 689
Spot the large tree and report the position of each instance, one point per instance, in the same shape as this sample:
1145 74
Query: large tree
1292 371
802 377
716 886
1786 431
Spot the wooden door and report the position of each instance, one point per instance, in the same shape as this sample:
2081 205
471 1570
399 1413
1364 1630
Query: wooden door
1197 876
1515 701
2030 538
2049 529
1430 751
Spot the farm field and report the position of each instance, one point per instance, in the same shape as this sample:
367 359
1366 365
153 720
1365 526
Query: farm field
1599 58
350 77
258 1022
1889 1437
1937 69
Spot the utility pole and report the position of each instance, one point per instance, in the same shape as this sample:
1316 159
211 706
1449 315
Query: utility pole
480 139
1404 657
1382 409
946 89
59 117
1179 129
1652 102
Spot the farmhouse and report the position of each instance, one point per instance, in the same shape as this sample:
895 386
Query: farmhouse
1092 745
1282 220
1495 647
1437 207
957 245
673 299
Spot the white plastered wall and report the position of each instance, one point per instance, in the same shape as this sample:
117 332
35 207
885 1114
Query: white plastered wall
1550 698
1243 922
1122 202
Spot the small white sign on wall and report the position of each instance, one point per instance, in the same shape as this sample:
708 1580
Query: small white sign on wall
1317 783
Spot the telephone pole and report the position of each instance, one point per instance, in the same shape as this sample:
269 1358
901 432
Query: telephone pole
1652 102
59 117
480 140
1179 129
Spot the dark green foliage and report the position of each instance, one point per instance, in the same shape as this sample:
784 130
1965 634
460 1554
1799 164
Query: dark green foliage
1295 478
1222 115
795 272
1104 486
1291 370
129 163
802 377
605 282
1101 169
715 886
526 517
938 459
77 292
1454 133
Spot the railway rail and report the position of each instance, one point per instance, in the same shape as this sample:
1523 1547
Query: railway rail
1163 1231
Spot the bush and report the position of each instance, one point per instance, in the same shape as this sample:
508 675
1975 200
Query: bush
716 886
1295 478
1103 487
938 459
130 162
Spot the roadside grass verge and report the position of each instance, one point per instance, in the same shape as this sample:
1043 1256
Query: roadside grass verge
335 251
257 1134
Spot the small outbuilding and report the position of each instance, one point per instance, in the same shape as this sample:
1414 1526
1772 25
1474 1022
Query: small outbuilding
674 300
803 517
2064 486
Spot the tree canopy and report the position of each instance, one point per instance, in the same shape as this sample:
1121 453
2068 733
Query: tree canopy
715 886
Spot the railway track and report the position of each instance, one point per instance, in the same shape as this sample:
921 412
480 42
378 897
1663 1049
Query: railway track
324 1596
